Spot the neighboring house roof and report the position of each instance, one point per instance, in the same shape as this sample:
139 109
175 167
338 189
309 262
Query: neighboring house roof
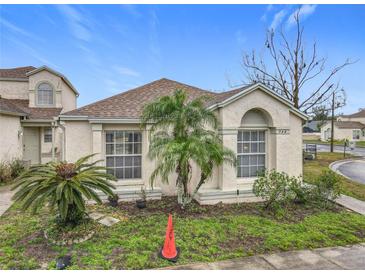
359 114
313 125
8 107
129 105
21 108
349 125
16 73
22 74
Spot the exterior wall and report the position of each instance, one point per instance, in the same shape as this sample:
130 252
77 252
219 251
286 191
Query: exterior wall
10 138
46 148
339 133
294 155
283 144
14 89
282 129
78 140
63 96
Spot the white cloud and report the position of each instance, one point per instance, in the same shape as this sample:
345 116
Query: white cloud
126 71
18 30
304 11
278 18
77 22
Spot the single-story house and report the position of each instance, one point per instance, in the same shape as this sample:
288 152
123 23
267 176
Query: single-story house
262 127
350 127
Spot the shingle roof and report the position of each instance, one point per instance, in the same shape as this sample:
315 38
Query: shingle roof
6 105
358 114
17 73
349 125
130 103
21 107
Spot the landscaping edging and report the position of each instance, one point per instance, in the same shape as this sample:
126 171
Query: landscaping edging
69 242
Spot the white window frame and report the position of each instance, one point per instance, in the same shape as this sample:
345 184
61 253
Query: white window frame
47 134
37 95
132 167
252 153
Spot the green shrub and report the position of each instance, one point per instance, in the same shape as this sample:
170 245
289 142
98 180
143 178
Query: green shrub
17 167
300 191
327 187
5 173
275 188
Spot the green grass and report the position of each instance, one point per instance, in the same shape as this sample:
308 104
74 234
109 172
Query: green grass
336 142
312 169
134 242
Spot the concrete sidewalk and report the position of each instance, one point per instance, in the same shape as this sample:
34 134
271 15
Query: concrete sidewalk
347 257
5 198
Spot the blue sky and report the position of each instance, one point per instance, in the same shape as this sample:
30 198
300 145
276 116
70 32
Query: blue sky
107 49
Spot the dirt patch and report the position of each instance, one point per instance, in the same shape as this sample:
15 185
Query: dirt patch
36 246
292 213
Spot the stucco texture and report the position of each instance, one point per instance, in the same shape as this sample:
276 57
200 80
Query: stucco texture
283 143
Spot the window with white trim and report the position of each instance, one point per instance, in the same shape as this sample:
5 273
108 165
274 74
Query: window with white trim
123 150
47 135
45 94
251 152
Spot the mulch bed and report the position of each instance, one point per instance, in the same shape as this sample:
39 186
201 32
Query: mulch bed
168 204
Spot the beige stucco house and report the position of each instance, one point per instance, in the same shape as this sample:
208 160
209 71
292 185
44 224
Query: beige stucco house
350 127
263 128
30 101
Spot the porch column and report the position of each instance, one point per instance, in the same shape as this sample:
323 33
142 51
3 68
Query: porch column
97 142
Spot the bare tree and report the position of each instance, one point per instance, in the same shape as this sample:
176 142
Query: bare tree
293 69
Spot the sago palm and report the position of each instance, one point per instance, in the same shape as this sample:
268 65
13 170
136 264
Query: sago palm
63 186
180 136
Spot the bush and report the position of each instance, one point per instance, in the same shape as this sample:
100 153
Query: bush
9 170
276 188
17 167
327 187
5 173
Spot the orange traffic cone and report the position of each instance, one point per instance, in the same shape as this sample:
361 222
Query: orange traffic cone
170 251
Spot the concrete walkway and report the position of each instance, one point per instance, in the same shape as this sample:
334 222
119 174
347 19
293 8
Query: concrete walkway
349 257
352 203
5 198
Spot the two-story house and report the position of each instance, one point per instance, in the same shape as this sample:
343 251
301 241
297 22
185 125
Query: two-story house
31 99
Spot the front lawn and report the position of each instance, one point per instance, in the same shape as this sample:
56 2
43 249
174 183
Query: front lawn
204 234
313 168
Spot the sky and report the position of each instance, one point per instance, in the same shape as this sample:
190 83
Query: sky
107 49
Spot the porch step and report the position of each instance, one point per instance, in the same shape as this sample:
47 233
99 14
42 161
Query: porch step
214 196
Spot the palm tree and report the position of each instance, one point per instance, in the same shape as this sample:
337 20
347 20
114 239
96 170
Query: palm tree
64 186
180 137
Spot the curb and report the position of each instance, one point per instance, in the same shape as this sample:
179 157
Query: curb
335 165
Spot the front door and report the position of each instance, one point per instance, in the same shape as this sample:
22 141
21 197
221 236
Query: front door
31 146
